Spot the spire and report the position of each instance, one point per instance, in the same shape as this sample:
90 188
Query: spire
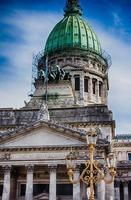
73 8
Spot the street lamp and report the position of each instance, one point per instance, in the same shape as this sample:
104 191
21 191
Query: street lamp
92 174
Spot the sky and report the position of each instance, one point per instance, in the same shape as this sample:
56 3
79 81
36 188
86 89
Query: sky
24 28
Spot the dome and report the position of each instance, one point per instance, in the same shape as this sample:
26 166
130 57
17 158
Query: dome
72 32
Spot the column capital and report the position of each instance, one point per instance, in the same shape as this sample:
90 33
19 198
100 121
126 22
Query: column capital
77 168
117 183
125 183
30 168
6 168
52 167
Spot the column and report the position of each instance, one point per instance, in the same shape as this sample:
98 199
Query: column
109 191
117 190
76 187
105 92
73 86
97 91
125 184
52 186
90 89
82 88
29 183
84 191
6 186
13 183
101 190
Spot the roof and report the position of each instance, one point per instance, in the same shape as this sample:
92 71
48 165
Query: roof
123 137
39 123
72 32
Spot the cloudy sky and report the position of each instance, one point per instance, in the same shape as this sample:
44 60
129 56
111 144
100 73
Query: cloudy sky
24 28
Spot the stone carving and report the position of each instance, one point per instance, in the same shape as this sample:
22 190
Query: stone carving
41 74
43 113
7 168
55 73
30 168
4 157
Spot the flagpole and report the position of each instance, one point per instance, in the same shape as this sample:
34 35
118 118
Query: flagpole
46 91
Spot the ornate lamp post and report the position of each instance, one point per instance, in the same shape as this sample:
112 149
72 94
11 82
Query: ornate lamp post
92 174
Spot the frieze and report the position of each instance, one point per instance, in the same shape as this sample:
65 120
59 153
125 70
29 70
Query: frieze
122 144
5 157
38 156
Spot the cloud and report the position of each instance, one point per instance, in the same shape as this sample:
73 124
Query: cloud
117 19
119 79
31 30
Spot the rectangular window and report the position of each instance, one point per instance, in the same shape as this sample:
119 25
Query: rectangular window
1 190
64 189
86 84
22 189
37 189
94 86
129 156
100 88
40 188
77 83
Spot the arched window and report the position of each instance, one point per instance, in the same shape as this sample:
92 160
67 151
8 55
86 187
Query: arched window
100 88
94 85
77 83
86 84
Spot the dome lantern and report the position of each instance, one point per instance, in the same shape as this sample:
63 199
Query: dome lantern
73 8
72 33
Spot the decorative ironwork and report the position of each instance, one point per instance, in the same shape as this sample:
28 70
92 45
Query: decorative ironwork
92 174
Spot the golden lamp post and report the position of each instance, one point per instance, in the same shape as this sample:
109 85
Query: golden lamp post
92 174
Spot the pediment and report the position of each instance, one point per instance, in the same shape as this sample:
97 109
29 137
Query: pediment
43 135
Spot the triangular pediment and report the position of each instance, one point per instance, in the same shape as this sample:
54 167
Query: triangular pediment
43 135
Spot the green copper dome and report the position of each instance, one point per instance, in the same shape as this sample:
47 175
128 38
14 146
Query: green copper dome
72 32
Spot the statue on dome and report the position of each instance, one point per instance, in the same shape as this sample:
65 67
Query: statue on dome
54 74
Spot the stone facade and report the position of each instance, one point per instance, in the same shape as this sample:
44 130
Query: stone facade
122 149
66 102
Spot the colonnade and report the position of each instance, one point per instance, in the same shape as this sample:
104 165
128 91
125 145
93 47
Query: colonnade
118 193
103 191
97 90
29 183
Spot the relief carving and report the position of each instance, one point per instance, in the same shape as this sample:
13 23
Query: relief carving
5 157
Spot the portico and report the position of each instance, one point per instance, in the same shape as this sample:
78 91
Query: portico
36 171
39 181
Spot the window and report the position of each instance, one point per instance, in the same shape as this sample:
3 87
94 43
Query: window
22 189
77 82
1 190
40 188
64 189
129 156
37 189
100 88
94 86
86 82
